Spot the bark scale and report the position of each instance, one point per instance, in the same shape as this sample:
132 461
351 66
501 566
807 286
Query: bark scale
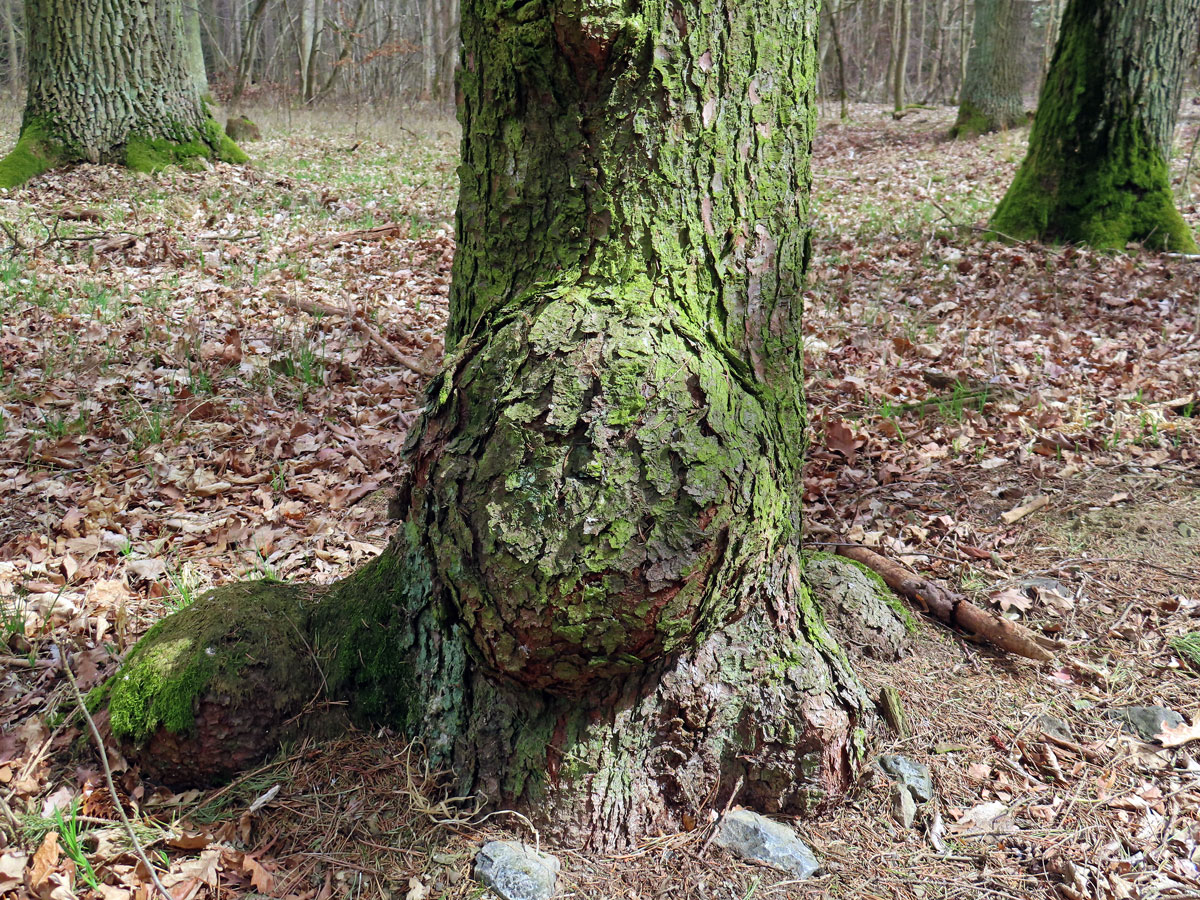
1096 170
112 81
595 609
991 94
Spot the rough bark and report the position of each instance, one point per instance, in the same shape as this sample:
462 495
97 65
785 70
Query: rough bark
1096 170
111 81
595 610
991 94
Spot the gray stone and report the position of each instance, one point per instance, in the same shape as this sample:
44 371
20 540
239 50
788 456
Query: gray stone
751 836
1147 722
909 774
904 807
1055 727
516 871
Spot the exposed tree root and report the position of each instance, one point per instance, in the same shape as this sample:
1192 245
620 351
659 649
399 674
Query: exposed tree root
947 606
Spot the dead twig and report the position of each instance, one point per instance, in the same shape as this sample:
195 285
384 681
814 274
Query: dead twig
108 775
359 324
949 607
378 233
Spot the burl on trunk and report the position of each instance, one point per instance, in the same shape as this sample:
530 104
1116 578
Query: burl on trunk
594 609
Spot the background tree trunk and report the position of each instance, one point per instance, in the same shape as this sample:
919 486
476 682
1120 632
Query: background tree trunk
1096 171
195 46
1053 20
840 57
900 71
594 611
249 49
16 68
111 80
991 94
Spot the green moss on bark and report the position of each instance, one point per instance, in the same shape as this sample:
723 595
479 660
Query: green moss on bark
971 122
371 634
208 650
144 154
34 154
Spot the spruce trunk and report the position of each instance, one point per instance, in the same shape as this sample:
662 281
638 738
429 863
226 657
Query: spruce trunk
594 610
1096 171
991 94
112 81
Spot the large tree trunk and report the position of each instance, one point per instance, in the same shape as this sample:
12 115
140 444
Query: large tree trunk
1096 171
991 94
111 81
594 611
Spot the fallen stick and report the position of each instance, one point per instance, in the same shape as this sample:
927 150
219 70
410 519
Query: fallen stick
359 324
949 607
378 233
1015 515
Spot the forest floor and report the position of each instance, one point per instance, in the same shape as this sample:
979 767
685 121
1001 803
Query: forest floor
171 420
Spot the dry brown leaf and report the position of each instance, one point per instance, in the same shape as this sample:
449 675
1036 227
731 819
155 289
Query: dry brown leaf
45 861
12 869
260 878
1013 598
1180 734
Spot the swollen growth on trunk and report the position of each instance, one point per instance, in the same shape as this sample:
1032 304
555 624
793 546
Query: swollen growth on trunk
113 81
1096 171
991 92
594 608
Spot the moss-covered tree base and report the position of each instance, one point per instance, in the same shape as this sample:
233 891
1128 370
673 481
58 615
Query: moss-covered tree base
767 706
144 154
1108 198
37 151
242 130
34 154
973 121
1096 172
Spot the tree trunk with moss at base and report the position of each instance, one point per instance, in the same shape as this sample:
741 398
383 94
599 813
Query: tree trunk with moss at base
991 93
112 81
1096 171
595 608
